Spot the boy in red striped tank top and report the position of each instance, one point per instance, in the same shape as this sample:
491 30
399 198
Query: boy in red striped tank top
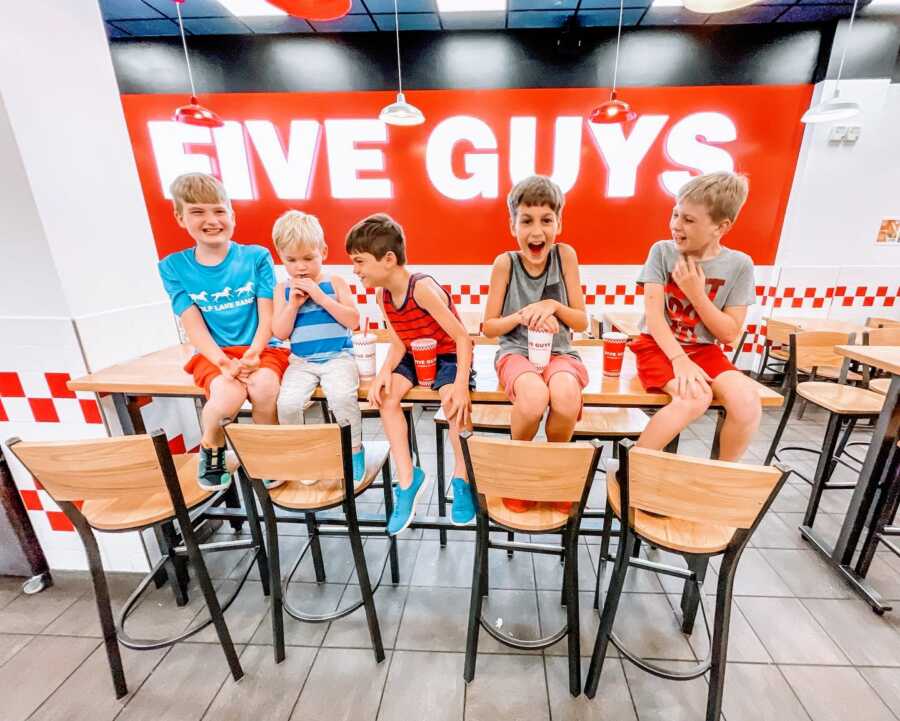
414 306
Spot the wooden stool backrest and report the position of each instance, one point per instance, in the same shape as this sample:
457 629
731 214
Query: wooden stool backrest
288 453
697 489
530 470
93 469
882 336
779 332
815 349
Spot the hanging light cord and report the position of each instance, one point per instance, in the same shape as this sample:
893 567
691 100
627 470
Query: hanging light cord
618 41
187 60
837 84
397 33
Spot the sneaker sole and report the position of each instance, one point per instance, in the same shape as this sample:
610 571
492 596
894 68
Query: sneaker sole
426 484
219 487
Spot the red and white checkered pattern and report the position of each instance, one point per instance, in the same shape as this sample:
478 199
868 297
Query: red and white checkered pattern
43 398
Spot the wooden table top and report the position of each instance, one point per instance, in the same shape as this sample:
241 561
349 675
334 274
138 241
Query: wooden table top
832 325
883 357
161 373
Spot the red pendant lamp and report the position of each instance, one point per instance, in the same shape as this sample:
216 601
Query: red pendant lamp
614 110
314 9
193 113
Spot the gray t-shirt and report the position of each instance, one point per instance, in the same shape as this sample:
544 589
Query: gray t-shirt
729 282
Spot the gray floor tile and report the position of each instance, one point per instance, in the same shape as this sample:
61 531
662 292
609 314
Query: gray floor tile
508 686
790 499
449 566
789 632
755 577
553 617
376 549
88 694
38 670
434 620
243 616
157 616
515 613
886 682
884 575
548 571
648 626
775 532
613 700
32 614
758 692
826 525
743 644
658 699
311 598
267 691
353 631
344 685
836 694
807 574
866 639
423 685
82 619
11 644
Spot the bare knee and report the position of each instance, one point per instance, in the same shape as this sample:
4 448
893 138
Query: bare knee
226 396
743 407
262 387
532 398
693 408
565 394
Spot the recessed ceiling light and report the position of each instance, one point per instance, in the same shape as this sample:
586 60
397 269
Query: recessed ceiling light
667 3
469 6
251 8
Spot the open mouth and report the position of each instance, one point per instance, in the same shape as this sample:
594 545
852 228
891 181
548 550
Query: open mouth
536 248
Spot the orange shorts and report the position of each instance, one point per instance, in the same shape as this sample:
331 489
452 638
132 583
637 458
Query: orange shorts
512 365
655 370
205 372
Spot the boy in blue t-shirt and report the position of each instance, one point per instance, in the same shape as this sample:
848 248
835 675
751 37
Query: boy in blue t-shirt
222 291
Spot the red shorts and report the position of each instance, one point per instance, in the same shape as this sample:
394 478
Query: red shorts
512 365
655 370
205 372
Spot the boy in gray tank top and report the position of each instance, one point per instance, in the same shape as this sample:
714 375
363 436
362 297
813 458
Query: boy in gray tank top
537 287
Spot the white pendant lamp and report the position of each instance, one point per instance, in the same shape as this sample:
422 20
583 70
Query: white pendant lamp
400 112
709 7
834 108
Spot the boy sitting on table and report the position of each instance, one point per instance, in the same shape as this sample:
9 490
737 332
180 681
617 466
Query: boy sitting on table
222 291
414 306
696 293
316 312
537 287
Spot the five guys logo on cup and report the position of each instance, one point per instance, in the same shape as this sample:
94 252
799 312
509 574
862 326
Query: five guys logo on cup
424 352
613 352
540 343
364 352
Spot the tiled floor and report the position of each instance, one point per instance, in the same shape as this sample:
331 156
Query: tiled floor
802 646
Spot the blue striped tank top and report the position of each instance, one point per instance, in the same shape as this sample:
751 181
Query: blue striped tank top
317 336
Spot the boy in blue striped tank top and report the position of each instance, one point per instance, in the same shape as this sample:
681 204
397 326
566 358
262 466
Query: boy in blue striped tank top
316 312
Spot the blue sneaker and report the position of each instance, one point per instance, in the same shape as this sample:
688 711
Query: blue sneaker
359 465
463 509
405 500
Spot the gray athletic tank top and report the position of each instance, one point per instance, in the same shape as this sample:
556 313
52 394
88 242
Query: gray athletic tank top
524 289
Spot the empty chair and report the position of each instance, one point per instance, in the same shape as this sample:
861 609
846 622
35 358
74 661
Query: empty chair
690 506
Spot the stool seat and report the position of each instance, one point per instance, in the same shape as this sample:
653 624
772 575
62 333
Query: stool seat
846 400
779 354
594 421
673 533
832 373
367 408
119 514
543 517
326 493
484 416
880 385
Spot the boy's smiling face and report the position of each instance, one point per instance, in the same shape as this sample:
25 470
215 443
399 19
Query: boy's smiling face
693 229
371 271
535 228
209 224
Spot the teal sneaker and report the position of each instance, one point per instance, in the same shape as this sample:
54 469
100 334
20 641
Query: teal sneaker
405 500
463 509
212 473
359 465
271 484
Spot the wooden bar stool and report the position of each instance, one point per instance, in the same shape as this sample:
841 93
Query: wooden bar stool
549 473
690 506
843 403
129 484
367 411
777 335
297 454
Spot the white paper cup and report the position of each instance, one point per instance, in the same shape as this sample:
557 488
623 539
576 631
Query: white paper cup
364 352
540 343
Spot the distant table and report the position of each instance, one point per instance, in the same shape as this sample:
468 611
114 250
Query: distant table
624 321
822 324
884 442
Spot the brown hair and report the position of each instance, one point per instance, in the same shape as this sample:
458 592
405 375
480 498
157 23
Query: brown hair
197 188
296 228
535 190
723 194
377 234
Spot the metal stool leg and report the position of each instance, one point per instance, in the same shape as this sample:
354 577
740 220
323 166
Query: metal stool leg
441 479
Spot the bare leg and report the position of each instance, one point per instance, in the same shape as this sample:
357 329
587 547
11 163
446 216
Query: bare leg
532 399
459 465
565 402
671 420
396 430
262 388
225 398
742 413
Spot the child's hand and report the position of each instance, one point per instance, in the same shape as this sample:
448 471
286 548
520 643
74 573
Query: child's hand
460 404
692 381
537 315
311 288
298 295
688 275
381 386
230 367
248 363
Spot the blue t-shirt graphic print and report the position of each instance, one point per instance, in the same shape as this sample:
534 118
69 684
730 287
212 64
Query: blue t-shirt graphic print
226 293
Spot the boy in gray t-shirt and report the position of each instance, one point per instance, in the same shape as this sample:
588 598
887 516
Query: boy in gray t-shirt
696 294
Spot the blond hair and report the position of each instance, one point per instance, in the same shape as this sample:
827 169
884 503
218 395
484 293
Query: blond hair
723 194
197 188
377 234
535 190
297 229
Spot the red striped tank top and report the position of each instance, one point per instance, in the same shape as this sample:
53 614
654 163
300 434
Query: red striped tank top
411 322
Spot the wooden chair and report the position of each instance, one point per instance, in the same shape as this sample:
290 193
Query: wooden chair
543 472
885 335
129 484
695 507
875 322
844 403
778 334
321 452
